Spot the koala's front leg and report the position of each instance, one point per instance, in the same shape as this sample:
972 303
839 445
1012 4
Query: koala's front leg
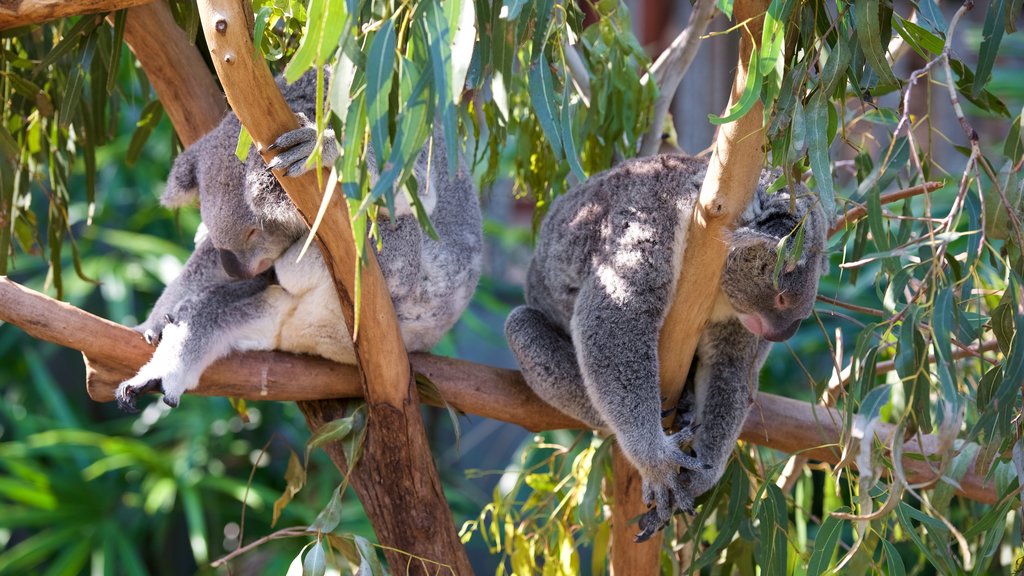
295 147
729 359
616 341
224 318
202 270
548 361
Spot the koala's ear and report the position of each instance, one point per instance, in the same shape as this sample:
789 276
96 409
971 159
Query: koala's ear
183 182
746 237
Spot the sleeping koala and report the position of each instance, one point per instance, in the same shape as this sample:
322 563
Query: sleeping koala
244 288
603 275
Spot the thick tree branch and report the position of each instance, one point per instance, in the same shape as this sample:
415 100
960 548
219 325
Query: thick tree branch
176 70
115 353
15 13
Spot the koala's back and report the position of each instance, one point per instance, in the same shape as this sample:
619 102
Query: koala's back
626 227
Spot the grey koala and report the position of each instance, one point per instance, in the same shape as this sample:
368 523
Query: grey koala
244 288
603 275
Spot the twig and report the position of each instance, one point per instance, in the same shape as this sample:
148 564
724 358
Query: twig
670 67
282 533
853 307
856 213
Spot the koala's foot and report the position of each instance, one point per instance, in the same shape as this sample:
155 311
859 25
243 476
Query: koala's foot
128 393
294 149
663 481
171 370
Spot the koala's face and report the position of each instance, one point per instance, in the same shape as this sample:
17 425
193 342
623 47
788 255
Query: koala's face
768 306
250 220
771 310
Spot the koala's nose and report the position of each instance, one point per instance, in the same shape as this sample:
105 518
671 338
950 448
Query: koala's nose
232 265
784 334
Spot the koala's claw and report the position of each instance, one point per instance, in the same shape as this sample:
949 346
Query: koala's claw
151 336
128 394
296 146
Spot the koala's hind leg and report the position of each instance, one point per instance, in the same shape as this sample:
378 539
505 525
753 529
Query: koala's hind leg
232 316
548 361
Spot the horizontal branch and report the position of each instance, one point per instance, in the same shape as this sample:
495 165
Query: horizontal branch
114 353
15 13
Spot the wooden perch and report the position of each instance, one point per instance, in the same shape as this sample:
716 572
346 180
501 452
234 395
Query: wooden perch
409 512
115 353
15 13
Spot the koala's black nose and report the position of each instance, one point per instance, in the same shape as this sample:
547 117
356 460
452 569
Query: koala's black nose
784 334
232 265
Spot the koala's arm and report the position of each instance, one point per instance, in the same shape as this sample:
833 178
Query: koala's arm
730 358
238 315
616 343
202 270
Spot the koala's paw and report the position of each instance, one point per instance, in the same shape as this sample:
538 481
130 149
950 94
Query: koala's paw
152 330
168 372
295 147
128 392
662 481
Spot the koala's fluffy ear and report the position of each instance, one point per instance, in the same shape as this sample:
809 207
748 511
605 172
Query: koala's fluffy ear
183 182
745 237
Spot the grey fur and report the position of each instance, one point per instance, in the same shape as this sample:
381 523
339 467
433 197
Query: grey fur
225 301
605 268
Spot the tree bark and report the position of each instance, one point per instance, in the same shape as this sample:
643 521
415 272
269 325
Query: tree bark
15 13
396 480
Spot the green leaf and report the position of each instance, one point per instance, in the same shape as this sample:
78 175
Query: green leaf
315 562
816 118
773 550
542 97
751 92
893 559
379 73
571 153
76 79
589 512
992 36
120 17
333 431
825 543
325 22
440 63
369 563
462 46
148 120
329 518
1013 9
1013 149
872 404
869 34
243 145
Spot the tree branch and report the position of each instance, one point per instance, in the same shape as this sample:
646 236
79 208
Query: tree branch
115 353
670 67
15 13
176 70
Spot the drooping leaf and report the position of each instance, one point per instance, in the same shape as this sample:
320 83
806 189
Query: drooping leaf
992 36
825 543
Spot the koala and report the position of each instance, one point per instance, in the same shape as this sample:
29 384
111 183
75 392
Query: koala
604 273
244 288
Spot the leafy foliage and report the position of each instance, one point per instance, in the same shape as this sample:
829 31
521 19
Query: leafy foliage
862 98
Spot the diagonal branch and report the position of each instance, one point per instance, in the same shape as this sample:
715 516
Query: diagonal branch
670 67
